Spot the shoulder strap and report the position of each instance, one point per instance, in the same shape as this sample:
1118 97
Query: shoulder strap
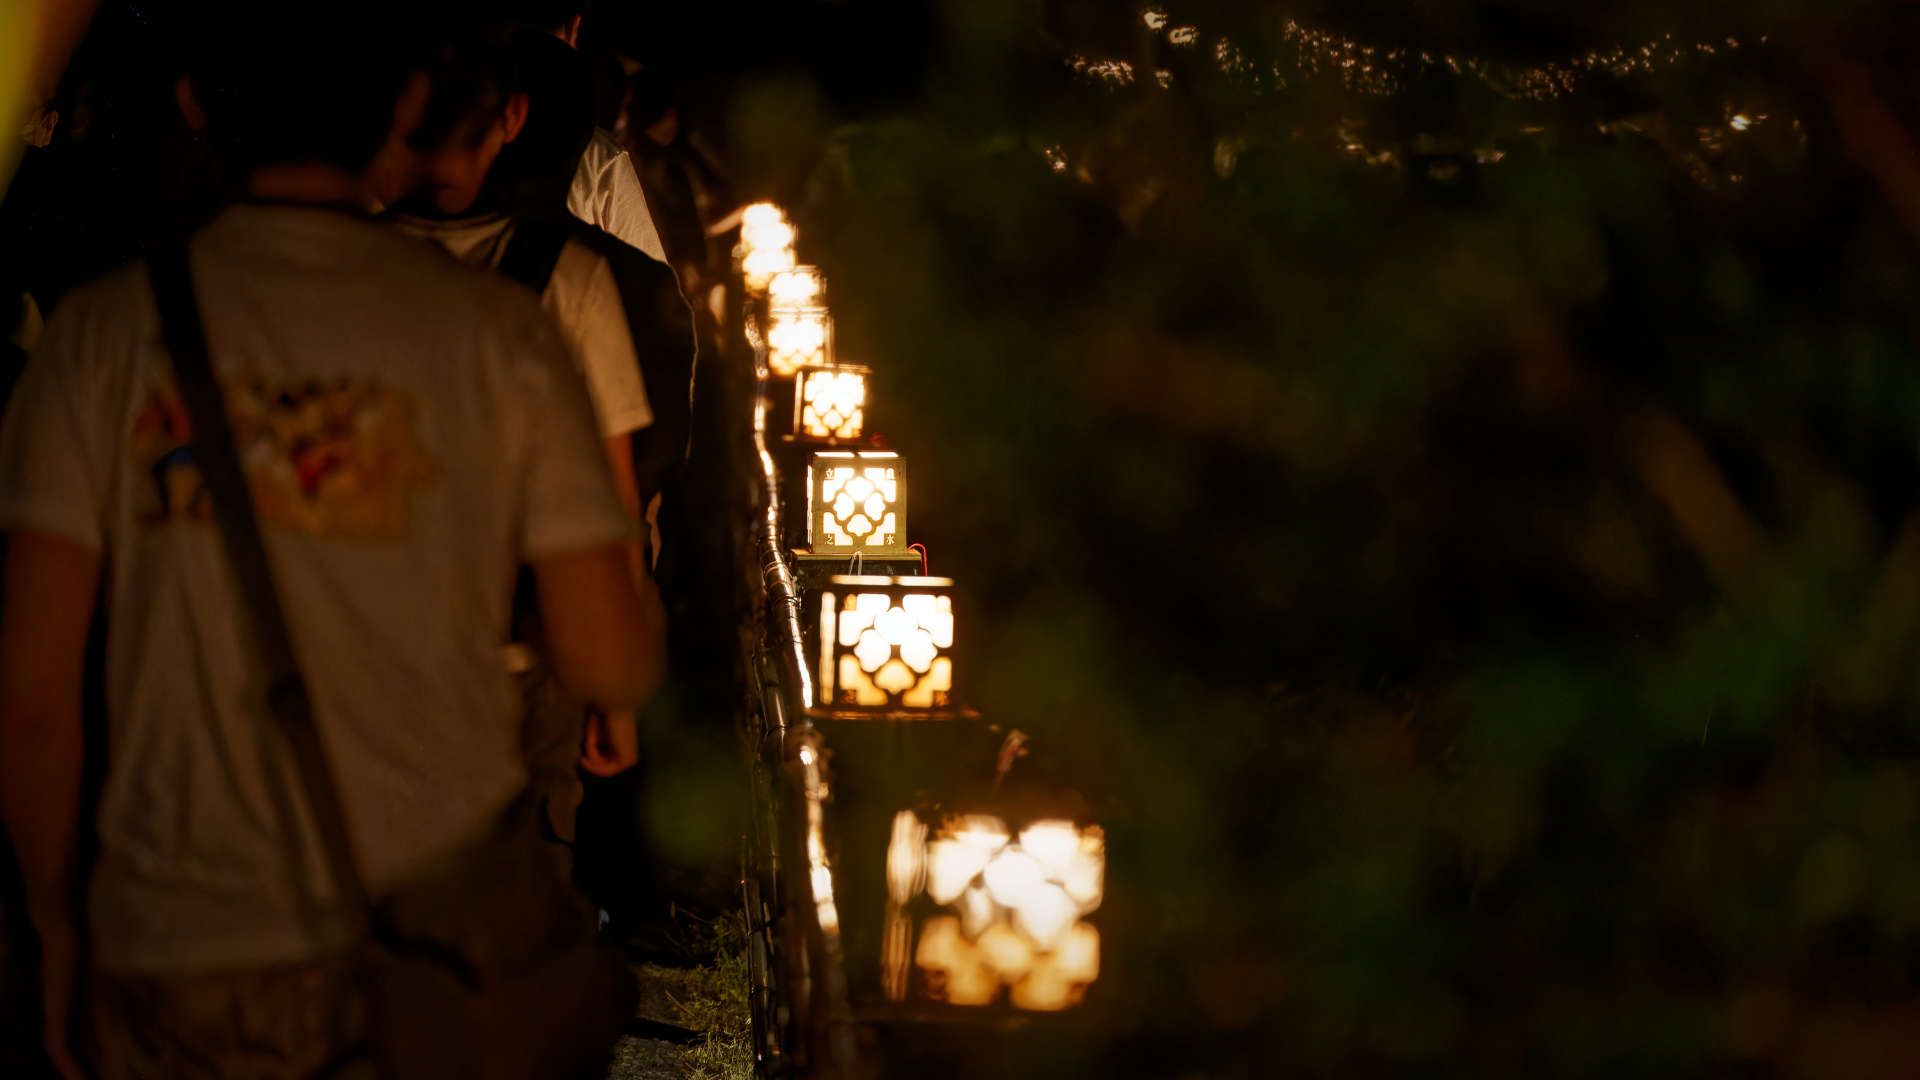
233 510
534 250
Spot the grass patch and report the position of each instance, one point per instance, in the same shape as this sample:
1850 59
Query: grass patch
712 999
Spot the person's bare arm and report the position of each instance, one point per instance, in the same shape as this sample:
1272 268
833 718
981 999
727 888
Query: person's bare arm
620 458
605 627
610 744
49 597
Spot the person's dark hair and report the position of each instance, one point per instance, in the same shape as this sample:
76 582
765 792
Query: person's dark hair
302 81
534 171
473 73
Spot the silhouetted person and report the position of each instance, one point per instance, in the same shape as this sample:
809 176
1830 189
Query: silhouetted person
504 139
411 431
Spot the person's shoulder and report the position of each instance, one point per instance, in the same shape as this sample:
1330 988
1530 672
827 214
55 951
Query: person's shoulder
602 153
426 273
108 312
112 293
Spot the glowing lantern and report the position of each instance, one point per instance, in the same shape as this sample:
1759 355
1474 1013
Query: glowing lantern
857 502
1012 913
954 860
1015 878
1045 915
801 286
764 225
1013 920
1006 952
766 245
884 647
758 266
977 911
797 338
830 402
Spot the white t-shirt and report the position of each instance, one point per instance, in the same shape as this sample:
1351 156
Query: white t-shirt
582 297
413 433
606 194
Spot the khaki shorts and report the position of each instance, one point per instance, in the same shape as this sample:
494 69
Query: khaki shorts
298 1020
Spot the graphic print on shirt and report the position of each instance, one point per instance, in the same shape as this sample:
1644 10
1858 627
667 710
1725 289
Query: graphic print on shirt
335 457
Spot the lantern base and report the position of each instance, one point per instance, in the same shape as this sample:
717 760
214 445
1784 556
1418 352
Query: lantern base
948 714
810 571
864 442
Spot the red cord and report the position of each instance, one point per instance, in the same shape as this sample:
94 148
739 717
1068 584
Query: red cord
922 549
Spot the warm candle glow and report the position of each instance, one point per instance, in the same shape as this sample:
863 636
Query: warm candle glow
758 266
796 338
801 286
1014 920
885 643
761 214
830 402
766 245
906 857
1055 843
1045 914
1006 952
1015 878
764 226
858 502
771 236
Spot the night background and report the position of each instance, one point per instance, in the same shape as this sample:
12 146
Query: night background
1440 481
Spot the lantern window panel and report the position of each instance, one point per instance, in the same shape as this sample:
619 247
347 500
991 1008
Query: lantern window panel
797 338
885 644
857 502
800 287
1006 922
830 403
759 265
766 245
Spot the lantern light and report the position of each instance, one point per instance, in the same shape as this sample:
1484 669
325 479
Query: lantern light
982 831
895 962
884 646
1045 914
1078 957
798 337
907 857
759 265
771 236
830 402
951 865
802 286
819 869
1054 843
857 502
764 225
761 214
977 911
766 245
1012 920
1014 878
1006 952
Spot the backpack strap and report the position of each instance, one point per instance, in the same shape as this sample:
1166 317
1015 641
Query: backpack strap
534 250
218 462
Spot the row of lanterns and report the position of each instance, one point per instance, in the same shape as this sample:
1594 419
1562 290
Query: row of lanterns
980 910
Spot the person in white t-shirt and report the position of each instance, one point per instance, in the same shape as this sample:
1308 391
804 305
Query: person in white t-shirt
606 190
606 194
413 432
491 190
475 212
